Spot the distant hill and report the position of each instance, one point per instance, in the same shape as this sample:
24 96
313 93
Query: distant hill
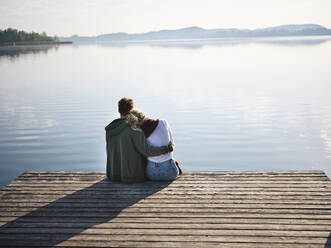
200 33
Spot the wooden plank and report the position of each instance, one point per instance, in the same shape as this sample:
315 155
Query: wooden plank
209 173
179 192
37 184
170 225
135 198
185 175
159 237
172 187
161 189
27 201
177 184
142 194
168 219
110 214
181 178
196 179
147 205
95 211
199 174
5 232
158 244
178 181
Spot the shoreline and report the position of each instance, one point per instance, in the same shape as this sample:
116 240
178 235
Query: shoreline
34 43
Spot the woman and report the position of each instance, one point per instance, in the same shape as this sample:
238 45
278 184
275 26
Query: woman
158 133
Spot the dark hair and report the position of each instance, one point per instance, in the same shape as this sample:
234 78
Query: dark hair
125 105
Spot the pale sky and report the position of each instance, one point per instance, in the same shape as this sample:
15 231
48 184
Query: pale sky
87 17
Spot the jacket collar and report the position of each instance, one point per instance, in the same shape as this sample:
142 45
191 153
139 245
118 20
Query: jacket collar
116 127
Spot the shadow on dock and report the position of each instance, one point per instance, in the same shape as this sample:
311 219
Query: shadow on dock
328 242
74 213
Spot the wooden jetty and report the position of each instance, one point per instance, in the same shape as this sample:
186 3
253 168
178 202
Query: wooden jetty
199 209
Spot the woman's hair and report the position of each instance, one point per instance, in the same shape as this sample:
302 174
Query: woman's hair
135 117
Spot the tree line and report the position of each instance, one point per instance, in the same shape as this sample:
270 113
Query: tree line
14 35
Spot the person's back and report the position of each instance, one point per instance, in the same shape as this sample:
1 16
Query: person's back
158 133
159 137
122 164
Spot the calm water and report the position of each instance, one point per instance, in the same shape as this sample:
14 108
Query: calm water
232 104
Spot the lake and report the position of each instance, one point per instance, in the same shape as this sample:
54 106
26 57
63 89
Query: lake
233 104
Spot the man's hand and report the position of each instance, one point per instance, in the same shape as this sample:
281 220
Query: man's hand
171 146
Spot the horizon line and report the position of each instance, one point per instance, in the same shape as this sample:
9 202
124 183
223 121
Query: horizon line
194 26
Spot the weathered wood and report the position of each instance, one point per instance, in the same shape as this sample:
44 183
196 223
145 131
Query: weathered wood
200 209
38 184
164 231
216 198
209 220
195 179
160 237
169 225
186 173
190 174
4 206
168 201
158 244
183 180
183 188
158 212
172 194
110 214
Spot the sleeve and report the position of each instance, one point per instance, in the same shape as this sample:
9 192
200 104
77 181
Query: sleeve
142 146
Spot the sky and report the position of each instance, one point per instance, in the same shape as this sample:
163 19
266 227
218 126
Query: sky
87 17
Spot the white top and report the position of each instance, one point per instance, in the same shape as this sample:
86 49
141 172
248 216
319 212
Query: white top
161 136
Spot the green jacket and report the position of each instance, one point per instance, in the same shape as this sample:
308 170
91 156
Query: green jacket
127 150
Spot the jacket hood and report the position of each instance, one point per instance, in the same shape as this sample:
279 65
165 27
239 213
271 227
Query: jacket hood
116 127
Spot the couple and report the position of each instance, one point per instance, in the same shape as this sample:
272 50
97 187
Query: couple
131 139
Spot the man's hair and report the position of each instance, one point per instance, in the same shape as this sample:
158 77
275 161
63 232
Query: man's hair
125 105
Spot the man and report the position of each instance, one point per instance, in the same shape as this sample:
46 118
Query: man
127 148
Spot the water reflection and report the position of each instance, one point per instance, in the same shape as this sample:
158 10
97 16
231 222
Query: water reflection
17 51
198 44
